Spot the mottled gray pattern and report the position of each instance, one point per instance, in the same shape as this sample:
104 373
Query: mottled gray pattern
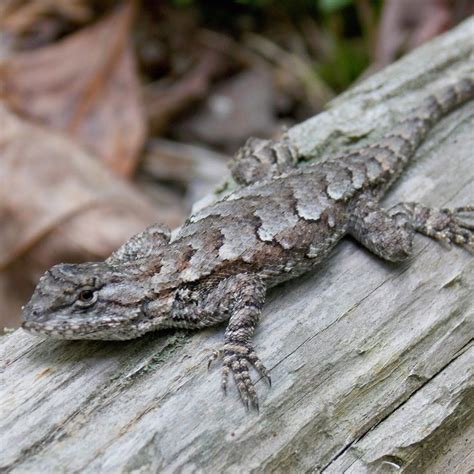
218 266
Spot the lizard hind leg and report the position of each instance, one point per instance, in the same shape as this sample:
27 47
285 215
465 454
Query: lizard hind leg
380 232
262 159
389 234
244 297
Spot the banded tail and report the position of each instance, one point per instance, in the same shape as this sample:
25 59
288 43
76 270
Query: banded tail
432 109
396 148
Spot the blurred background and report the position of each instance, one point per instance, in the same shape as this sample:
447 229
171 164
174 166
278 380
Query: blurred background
115 115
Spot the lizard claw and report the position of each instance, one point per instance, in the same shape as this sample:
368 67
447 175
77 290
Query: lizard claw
237 358
214 356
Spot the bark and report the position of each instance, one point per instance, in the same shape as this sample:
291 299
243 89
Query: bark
371 362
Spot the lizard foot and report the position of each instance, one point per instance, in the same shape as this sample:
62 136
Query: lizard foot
237 358
447 225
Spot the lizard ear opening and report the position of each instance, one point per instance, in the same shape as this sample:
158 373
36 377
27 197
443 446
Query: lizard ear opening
141 245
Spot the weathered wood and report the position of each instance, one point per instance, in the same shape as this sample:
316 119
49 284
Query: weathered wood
371 362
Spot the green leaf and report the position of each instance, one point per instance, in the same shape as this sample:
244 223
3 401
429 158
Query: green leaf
332 5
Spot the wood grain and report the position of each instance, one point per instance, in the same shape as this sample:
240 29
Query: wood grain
371 362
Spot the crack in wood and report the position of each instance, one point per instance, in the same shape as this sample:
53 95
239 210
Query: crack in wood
402 403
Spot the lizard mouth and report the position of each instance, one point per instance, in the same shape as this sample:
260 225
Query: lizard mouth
111 329
68 331
61 331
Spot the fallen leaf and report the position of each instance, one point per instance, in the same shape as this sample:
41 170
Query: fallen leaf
21 16
85 85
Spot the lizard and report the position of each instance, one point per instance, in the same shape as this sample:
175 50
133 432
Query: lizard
281 221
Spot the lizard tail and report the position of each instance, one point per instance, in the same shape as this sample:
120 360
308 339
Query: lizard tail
434 107
400 143
443 101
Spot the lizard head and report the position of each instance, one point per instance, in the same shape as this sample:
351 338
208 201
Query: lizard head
90 301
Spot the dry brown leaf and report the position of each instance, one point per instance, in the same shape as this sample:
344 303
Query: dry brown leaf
58 203
85 85
20 16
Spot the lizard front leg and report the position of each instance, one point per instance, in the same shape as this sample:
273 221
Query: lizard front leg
389 234
244 296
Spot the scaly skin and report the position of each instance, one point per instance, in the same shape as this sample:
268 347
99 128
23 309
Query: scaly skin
281 223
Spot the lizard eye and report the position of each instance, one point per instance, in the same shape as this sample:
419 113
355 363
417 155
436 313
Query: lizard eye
87 296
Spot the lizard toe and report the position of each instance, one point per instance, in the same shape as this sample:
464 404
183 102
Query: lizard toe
237 360
448 225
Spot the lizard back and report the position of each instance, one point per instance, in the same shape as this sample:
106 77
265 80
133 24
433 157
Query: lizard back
284 226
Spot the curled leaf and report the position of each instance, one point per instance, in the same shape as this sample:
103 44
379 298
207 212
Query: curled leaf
85 85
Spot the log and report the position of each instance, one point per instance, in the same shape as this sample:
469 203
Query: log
371 362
